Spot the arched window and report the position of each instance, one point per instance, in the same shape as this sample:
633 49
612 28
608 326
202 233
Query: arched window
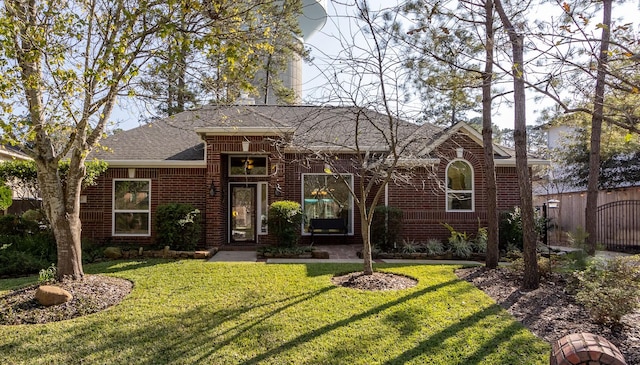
460 186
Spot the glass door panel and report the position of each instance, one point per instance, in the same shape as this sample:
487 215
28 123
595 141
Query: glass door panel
243 213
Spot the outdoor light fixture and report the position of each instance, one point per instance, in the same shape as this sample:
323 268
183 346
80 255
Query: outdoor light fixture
245 145
553 203
459 152
213 191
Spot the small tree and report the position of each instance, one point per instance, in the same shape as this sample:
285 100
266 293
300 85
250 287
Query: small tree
285 218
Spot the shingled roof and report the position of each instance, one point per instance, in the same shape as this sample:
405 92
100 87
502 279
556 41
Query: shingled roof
177 138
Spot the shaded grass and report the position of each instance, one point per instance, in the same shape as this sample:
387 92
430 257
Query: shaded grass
191 312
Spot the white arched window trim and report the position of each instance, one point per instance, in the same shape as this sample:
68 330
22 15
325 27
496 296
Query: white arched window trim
453 195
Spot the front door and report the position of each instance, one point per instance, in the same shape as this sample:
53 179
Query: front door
243 213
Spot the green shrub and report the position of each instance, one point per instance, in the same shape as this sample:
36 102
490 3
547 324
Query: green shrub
386 226
544 265
610 289
33 215
285 218
91 252
6 197
510 228
459 242
479 243
411 246
434 247
18 263
47 275
14 225
178 226
25 247
460 248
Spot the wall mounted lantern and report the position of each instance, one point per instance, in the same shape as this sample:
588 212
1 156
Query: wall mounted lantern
245 145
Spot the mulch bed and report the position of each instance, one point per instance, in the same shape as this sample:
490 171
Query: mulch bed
550 312
92 294
377 281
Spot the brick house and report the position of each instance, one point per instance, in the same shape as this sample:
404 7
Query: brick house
232 162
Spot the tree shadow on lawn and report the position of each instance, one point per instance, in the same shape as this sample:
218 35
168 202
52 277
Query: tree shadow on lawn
117 266
344 322
434 344
203 332
163 338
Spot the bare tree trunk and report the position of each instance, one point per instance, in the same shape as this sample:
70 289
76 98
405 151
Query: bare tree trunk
366 245
531 278
596 132
487 142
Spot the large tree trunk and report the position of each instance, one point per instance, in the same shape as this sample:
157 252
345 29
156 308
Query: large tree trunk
591 220
531 278
61 203
487 143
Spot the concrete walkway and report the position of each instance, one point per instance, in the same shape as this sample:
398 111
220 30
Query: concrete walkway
337 254
348 254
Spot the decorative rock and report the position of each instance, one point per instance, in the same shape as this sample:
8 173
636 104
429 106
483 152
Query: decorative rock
201 254
113 252
49 295
583 349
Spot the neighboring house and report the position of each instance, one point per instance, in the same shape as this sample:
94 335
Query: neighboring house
11 153
23 199
232 162
618 210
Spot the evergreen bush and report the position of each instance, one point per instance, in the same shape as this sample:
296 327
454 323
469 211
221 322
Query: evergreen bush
178 226
610 289
386 227
285 219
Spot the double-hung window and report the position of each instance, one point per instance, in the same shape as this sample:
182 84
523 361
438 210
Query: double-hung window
131 207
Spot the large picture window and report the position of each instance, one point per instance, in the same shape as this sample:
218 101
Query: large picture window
131 208
327 196
460 186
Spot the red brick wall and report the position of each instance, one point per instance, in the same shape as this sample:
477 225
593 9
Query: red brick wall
168 185
423 201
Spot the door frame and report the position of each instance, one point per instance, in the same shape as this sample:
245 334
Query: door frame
261 208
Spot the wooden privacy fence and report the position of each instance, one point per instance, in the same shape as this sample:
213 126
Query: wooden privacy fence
616 226
619 225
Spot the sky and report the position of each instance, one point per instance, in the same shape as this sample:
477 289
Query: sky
324 50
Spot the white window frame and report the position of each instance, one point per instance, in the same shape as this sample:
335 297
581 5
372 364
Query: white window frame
263 187
115 211
260 209
351 222
466 191
266 158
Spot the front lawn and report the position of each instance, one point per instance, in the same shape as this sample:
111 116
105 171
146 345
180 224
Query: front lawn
192 312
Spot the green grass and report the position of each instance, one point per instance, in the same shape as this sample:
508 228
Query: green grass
191 312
